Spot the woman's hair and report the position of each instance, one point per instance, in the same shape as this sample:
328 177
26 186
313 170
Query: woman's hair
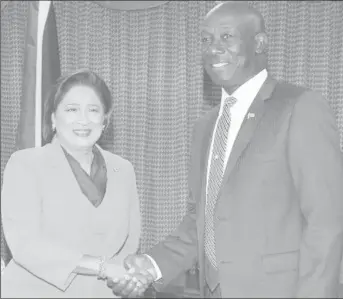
63 85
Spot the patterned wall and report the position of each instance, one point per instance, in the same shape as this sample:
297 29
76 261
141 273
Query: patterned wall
305 48
151 62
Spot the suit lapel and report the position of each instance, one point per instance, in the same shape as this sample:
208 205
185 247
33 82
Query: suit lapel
249 125
114 174
60 171
61 176
205 145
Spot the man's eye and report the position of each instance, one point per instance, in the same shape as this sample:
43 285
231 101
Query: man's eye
227 36
205 39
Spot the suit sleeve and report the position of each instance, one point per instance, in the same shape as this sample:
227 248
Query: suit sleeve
31 248
317 169
178 252
131 245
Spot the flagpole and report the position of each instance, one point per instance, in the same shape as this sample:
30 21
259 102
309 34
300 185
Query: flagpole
43 10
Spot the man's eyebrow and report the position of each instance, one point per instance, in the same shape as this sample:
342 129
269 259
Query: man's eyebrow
222 25
204 30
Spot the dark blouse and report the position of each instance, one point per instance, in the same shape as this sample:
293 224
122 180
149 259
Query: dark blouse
93 186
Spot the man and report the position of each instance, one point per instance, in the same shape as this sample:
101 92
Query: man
266 180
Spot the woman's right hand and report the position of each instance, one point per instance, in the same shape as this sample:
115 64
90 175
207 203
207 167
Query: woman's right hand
114 271
120 280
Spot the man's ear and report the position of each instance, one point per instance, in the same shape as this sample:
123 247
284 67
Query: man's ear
261 41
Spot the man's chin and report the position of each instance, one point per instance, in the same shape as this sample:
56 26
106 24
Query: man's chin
221 80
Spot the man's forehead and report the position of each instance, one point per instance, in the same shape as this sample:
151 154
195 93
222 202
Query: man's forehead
233 20
220 28
230 22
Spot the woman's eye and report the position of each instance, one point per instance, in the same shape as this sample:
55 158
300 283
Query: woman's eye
71 110
94 110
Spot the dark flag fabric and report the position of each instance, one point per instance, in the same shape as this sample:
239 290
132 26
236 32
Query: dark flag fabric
41 70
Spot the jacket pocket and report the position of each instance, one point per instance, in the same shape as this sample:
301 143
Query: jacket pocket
279 262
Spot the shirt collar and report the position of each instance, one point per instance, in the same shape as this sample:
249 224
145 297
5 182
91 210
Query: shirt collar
251 87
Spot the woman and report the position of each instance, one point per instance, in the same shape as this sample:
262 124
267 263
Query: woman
70 209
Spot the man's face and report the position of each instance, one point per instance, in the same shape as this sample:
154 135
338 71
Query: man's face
228 48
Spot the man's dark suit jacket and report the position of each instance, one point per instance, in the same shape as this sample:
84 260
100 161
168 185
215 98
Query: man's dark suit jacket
279 213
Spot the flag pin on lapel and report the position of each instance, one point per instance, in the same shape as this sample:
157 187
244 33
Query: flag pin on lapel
250 115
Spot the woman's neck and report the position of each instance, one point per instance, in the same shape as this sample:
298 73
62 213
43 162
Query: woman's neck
83 155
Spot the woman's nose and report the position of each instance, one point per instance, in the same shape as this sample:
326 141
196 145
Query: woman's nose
83 117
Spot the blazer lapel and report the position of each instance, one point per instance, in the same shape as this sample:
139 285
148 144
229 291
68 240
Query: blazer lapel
114 174
249 125
209 123
60 171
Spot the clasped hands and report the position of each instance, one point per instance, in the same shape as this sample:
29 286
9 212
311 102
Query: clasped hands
140 274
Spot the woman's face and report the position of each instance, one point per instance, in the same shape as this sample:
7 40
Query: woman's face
79 118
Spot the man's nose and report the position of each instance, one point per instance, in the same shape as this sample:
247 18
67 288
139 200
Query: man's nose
216 48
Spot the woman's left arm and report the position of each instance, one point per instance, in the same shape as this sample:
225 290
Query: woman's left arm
131 245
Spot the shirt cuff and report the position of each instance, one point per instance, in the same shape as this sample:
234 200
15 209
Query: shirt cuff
157 269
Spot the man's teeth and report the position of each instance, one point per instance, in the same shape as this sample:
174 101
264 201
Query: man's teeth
219 64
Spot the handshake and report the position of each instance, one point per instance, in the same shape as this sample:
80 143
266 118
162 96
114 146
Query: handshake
140 274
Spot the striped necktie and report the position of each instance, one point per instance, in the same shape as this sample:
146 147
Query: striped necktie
215 177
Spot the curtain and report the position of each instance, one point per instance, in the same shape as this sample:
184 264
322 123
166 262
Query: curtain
13 24
305 48
151 61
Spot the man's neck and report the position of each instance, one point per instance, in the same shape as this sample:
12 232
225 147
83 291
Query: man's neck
231 88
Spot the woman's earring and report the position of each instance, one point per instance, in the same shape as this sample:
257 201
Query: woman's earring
53 127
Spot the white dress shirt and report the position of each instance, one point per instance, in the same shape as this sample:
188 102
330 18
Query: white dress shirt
245 95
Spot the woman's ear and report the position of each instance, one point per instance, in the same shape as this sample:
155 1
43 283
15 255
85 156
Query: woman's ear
105 122
261 41
107 119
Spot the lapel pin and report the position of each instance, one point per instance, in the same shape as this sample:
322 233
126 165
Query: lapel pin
250 115
115 169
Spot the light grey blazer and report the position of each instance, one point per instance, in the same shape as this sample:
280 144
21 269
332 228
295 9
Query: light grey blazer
49 223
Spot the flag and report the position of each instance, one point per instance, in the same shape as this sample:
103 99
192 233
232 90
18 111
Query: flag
41 70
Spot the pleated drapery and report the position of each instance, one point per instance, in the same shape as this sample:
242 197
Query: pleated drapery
151 61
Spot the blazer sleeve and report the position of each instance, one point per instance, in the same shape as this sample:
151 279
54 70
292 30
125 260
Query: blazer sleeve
131 245
35 251
317 169
178 252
